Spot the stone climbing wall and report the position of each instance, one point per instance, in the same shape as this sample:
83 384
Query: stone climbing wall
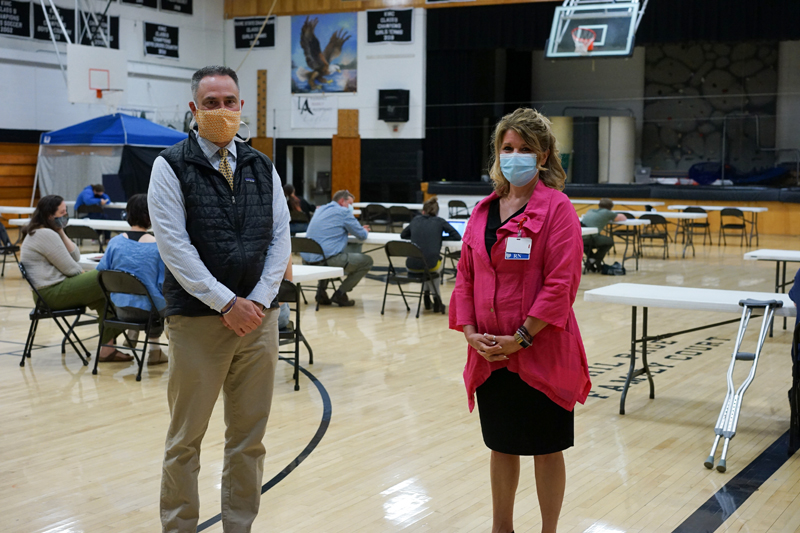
690 88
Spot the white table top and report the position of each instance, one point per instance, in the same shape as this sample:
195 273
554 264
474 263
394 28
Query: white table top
110 205
387 205
300 273
672 216
773 255
631 222
15 210
714 300
616 202
101 225
721 207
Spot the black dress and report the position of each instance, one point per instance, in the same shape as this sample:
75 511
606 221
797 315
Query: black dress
516 418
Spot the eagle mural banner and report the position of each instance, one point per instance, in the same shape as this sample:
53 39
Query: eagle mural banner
324 53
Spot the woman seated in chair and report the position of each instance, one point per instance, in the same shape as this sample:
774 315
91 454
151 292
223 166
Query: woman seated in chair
136 252
427 231
51 260
300 210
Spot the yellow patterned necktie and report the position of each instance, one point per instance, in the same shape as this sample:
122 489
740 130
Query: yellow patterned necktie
225 166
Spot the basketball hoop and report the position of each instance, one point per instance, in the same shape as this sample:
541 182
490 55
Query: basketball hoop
584 40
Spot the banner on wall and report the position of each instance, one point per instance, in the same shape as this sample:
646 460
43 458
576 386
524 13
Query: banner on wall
177 6
113 35
389 25
160 40
40 30
324 52
142 3
15 18
315 112
246 29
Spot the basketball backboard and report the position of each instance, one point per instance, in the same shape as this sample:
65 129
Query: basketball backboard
593 29
96 75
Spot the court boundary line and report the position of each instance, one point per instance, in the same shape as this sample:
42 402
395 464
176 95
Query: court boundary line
312 444
727 500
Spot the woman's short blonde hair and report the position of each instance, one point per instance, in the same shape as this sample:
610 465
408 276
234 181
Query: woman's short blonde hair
535 129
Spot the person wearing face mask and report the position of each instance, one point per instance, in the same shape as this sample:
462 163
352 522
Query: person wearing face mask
222 228
330 226
517 279
51 260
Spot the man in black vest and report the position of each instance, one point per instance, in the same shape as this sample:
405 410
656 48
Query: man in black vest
222 227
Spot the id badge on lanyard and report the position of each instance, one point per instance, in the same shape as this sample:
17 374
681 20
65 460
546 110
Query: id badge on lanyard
518 248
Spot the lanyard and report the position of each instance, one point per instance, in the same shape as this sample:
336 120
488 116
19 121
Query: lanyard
519 226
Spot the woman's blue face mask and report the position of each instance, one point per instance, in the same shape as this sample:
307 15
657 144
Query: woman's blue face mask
519 169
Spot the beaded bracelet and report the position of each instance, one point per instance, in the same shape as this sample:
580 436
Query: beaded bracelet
230 307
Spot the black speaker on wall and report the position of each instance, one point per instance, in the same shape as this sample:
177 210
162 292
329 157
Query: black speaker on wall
393 105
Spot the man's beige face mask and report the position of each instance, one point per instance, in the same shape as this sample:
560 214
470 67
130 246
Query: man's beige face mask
218 125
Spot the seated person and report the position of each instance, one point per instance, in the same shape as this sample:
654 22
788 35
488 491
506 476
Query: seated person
794 294
426 232
136 252
597 246
329 228
297 205
51 260
92 195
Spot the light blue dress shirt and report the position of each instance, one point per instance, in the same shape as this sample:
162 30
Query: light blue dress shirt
329 228
168 216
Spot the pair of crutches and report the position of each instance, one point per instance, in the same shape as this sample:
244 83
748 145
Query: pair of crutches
729 414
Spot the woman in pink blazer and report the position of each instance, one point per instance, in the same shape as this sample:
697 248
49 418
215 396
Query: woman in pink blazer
517 280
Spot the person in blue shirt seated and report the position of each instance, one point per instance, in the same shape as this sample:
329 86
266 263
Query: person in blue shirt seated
330 226
92 195
136 252
597 246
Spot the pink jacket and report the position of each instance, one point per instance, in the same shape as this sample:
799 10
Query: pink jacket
498 295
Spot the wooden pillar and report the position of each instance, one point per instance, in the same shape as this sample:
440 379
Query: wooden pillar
261 142
346 154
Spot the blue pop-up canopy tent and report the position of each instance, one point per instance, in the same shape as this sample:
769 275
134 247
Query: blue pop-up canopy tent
76 156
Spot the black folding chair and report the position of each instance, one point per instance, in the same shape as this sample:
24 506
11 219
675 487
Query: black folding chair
394 275
310 246
42 311
116 281
691 226
454 256
298 217
86 209
7 248
292 334
655 231
457 209
79 233
399 215
376 215
725 227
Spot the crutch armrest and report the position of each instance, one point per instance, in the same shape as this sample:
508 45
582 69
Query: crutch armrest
749 302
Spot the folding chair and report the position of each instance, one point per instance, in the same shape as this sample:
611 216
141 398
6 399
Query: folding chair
399 215
42 311
292 334
376 215
454 257
691 225
737 214
408 249
457 209
298 218
116 281
728 419
83 232
6 249
86 209
306 245
655 231
626 234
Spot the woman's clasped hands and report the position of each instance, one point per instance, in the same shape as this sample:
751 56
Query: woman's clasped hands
493 348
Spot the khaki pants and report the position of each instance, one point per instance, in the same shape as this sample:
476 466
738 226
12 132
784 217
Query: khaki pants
204 358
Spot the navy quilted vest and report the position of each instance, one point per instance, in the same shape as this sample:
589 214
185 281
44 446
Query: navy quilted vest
232 230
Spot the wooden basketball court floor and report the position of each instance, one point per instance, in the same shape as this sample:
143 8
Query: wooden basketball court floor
381 440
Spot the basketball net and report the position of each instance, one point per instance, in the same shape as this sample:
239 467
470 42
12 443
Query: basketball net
584 40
